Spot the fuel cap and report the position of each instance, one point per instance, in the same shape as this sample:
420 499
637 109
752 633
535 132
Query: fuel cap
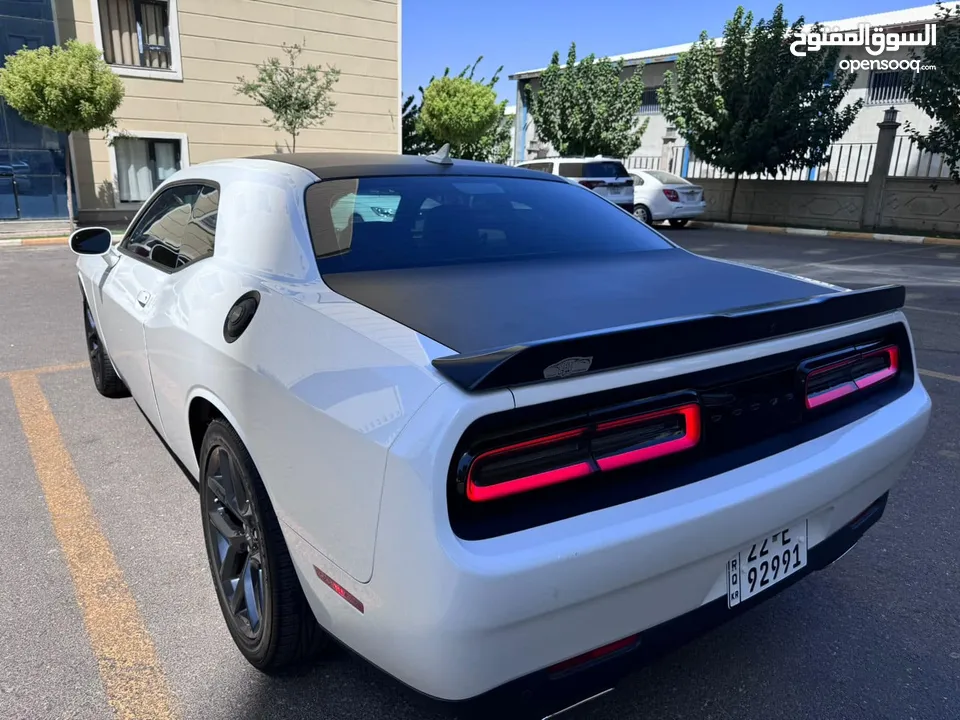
240 315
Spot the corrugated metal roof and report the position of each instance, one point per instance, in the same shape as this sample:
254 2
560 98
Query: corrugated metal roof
894 18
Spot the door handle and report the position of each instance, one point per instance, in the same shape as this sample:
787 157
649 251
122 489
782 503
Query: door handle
143 298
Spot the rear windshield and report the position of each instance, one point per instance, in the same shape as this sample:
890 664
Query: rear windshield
667 178
420 221
596 169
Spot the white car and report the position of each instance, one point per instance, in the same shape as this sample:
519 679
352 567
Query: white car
505 444
659 195
606 176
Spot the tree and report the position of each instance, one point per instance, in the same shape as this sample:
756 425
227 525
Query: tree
297 97
485 135
65 88
755 107
587 108
937 92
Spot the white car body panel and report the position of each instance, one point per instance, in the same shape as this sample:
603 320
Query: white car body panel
353 431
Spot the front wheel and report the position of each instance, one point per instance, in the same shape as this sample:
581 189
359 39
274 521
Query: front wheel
679 222
642 213
259 592
105 377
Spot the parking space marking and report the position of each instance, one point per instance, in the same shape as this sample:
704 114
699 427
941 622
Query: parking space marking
133 679
855 257
940 375
44 370
931 310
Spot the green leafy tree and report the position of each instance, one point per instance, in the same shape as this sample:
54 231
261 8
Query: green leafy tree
485 135
755 107
937 92
298 97
586 108
69 89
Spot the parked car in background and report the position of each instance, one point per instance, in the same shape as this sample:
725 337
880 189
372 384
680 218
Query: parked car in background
659 195
607 177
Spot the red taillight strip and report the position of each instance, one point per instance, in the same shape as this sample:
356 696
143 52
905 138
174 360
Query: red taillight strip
893 358
600 652
850 387
691 436
481 493
555 476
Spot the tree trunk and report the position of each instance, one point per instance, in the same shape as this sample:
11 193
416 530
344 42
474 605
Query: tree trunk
294 142
69 185
733 197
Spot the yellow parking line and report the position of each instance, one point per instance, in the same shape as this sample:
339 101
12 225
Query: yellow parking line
942 376
46 369
129 668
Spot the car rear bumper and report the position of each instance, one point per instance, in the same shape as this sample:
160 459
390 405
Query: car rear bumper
457 620
673 211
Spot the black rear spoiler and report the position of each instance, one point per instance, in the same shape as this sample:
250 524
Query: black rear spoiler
631 345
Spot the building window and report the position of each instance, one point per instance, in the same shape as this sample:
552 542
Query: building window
650 103
890 86
139 38
144 163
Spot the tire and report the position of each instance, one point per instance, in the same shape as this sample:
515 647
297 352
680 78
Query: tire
105 377
679 222
642 213
281 630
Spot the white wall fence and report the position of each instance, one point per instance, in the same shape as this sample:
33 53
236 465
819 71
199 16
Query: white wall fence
846 162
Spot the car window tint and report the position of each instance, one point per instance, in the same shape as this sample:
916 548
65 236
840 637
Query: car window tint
439 220
568 169
198 235
667 178
159 233
546 167
605 169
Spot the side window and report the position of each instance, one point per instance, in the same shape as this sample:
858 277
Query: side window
199 233
546 167
568 169
160 231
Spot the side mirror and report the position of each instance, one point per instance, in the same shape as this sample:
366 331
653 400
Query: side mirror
91 241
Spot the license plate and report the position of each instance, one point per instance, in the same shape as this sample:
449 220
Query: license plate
765 562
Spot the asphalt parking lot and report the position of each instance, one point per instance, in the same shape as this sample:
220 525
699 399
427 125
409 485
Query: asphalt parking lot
876 636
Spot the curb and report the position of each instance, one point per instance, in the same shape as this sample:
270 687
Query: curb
886 237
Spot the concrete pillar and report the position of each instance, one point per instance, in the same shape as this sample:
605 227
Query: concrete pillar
881 168
666 151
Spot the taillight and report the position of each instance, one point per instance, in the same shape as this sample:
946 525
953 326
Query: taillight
592 183
561 457
826 384
672 195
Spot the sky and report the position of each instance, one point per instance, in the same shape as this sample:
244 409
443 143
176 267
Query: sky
523 34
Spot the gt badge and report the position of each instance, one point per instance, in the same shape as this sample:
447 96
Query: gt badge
568 367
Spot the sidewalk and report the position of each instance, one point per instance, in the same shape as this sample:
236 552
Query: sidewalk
886 237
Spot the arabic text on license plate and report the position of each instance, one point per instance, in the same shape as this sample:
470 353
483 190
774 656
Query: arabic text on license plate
765 562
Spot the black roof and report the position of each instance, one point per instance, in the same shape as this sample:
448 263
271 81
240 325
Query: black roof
330 165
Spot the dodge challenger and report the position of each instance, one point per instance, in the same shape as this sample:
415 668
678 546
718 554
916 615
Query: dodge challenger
482 426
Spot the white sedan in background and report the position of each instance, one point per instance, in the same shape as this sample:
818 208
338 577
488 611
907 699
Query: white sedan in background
659 195
505 442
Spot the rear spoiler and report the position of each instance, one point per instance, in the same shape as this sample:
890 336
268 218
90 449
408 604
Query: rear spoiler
631 345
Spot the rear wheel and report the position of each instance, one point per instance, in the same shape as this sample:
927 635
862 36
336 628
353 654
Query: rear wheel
105 377
259 592
679 222
642 213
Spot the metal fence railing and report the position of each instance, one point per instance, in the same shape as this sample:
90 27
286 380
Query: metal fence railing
908 160
643 162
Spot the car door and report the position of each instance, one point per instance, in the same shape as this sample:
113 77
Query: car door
149 254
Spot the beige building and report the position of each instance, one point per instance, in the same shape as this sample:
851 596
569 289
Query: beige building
180 61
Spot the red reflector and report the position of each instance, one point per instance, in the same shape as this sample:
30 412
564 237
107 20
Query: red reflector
594 654
690 437
338 589
672 195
